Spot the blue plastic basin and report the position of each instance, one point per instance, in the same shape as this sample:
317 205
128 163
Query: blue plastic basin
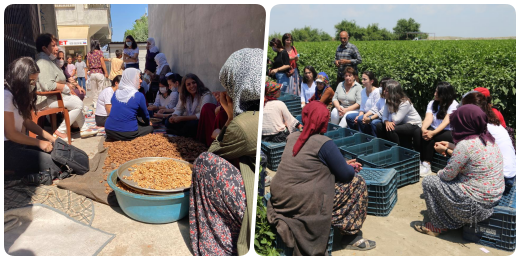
149 208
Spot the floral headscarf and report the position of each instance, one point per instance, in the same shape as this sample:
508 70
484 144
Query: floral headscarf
271 91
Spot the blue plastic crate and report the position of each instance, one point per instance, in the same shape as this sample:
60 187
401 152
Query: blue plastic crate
499 230
286 96
286 251
274 152
439 162
374 146
341 133
330 127
356 139
382 190
293 102
406 162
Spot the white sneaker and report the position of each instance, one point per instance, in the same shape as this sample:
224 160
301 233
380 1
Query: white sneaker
88 133
425 169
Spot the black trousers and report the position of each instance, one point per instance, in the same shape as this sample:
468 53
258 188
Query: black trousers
401 135
129 136
25 159
184 128
427 147
100 120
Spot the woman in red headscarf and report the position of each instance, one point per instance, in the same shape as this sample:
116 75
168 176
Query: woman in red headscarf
278 121
472 183
313 183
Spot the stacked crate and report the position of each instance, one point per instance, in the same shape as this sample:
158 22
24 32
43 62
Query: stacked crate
382 190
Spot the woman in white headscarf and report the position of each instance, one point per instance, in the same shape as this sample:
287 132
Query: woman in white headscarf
162 65
151 51
128 105
224 176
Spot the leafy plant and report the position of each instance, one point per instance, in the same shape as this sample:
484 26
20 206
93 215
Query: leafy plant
420 65
264 233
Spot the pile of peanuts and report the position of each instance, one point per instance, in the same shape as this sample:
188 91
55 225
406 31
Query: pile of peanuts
161 175
152 145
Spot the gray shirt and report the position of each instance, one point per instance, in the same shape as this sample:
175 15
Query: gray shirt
406 114
49 75
349 98
80 69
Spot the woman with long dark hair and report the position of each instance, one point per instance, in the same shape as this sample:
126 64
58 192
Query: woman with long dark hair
193 95
280 64
98 70
131 53
369 97
436 124
374 115
308 84
400 119
294 77
19 102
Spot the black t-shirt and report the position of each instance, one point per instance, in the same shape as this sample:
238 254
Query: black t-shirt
282 58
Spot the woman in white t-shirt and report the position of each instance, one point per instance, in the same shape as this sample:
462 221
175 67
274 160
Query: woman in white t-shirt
104 103
308 87
24 155
502 138
163 98
436 124
131 53
370 95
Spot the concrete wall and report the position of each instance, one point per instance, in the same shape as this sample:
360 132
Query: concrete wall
79 15
199 38
142 52
48 19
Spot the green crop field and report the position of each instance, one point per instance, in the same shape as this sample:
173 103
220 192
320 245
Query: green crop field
419 65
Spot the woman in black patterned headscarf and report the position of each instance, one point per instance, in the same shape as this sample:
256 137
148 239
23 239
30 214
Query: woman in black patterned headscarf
221 197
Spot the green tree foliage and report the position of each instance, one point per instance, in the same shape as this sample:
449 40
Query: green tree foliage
275 35
404 26
356 33
307 34
139 29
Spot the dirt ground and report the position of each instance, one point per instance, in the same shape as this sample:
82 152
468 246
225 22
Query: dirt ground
394 235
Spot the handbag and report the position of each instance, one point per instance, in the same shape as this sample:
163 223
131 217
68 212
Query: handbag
71 156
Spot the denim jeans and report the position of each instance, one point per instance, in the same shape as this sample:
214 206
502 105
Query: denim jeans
350 121
81 82
281 78
370 128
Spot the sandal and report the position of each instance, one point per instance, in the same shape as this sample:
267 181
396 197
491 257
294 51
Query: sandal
428 229
362 245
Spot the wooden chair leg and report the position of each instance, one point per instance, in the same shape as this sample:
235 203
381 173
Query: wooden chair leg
67 122
54 123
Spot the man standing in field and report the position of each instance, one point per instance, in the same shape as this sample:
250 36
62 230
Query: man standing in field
347 55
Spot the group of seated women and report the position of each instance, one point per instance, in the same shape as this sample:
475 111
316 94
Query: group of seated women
481 168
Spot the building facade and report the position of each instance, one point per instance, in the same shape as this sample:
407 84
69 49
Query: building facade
78 24
199 38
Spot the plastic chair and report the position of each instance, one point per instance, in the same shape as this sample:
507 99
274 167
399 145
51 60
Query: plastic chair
52 112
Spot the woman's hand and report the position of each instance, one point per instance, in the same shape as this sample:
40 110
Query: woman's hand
106 75
81 90
175 119
355 119
161 111
427 135
356 165
46 146
215 134
227 105
152 107
366 120
71 79
390 126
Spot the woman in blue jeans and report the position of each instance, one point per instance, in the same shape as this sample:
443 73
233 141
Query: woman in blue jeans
280 65
370 119
370 95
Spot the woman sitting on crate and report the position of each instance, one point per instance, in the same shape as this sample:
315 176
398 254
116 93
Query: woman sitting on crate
122 123
313 183
278 121
472 183
346 100
193 96
323 91
19 103
370 95
436 124
221 197
502 139
373 116
400 119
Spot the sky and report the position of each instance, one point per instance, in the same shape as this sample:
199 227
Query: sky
443 20
123 17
